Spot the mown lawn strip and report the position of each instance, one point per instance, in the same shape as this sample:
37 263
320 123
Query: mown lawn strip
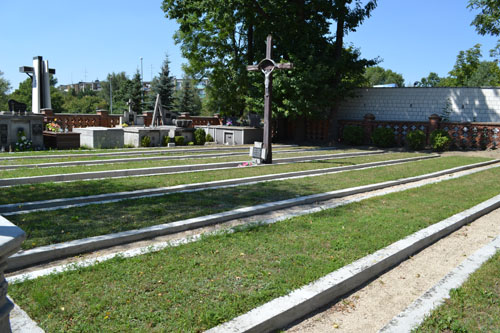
199 285
474 307
49 227
47 191
33 171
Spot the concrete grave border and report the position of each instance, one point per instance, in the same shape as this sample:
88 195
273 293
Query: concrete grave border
52 252
63 203
284 310
163 170
140 159
416 312
140 151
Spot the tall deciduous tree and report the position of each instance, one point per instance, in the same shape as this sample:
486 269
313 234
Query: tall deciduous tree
432 80
120 84
4 89
219 41
164 85
487 22
378 75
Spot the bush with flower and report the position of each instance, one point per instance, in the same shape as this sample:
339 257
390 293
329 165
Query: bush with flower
54 127
22 143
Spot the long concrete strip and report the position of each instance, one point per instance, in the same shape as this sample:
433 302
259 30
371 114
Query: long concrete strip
165 170
63 203
284 310
56 251
413 315
139 151
141 159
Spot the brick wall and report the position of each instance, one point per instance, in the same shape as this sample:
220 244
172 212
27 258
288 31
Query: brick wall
417 104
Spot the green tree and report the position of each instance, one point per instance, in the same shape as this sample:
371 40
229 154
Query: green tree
85 104
487 74
120 85
487 22
135 92
23 93
432 80
164 85
4 89
467 63
188 99
219 41
378 75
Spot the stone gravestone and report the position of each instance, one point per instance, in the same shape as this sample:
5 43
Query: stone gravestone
253 120
257 152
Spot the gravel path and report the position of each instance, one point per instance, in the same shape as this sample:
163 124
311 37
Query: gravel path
369 308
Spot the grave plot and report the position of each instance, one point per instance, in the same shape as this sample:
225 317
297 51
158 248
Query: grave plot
46 191
69 159
63 225
233 161
199 285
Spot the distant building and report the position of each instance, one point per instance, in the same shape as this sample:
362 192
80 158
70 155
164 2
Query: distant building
81 86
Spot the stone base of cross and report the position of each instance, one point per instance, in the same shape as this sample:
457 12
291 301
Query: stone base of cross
267 66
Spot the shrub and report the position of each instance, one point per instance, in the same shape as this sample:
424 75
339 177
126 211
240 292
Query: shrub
353 135
209 138
383 137
179 140
440 140
145 141
165 140
416 140
190 143
199 137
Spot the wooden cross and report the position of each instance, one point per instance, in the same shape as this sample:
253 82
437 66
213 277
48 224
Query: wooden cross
267 66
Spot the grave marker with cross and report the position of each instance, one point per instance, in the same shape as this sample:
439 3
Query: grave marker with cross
267 66
40 82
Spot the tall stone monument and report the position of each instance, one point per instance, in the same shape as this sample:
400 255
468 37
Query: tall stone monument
40 82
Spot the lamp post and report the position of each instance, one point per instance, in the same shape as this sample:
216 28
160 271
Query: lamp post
142 85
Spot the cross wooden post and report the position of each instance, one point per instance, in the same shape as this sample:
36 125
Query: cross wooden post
267 66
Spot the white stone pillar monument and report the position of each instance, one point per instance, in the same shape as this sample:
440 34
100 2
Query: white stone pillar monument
40 79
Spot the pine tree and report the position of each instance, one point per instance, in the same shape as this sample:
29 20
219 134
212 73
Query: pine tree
164 85
135 92
188 97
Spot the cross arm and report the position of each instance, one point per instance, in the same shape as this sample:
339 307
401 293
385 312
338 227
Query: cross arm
28 69
252 68
287 65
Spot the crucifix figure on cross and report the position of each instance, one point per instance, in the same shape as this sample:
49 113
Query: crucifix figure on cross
267 66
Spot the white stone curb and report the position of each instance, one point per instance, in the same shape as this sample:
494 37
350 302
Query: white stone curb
414 314
63 203
286 309
20 322
162 170
61 250
144 158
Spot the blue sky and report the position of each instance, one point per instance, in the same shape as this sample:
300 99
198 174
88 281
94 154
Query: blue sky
86 40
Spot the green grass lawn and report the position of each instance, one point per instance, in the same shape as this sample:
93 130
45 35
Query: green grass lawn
474 307
196 286
43 228
33 171
170 152
46 191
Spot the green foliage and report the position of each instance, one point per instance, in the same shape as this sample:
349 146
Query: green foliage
209 138
199 137
190 143
219 41
383 137
179 140
187 98
135 92
165 140
23 143
85 104
23 93
416 140
145 141
4 89
164 85
440 140
353 135
487 22
378 75
120 85
432 80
